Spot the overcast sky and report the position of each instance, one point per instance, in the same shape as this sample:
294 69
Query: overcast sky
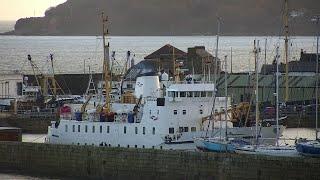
15 9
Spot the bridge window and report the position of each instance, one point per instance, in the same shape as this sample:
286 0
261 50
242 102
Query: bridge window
171 130
175 112
78 128
182 94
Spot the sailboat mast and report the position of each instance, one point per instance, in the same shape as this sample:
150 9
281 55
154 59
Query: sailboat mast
286 40
317 75
216 53
256 51
277 96
216 70
106 63
174 65
226 96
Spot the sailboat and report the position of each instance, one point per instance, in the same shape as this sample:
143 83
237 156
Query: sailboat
220 143
274 150
312 148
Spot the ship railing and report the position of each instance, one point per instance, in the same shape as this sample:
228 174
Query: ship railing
191 82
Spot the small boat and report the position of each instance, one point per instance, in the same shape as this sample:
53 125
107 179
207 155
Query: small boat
288 151
219 144
309 148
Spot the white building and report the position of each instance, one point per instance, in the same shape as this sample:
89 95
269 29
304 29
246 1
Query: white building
11 85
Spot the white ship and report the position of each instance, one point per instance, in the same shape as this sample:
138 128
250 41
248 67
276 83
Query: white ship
161 115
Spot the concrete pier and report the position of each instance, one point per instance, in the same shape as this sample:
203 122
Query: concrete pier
121 163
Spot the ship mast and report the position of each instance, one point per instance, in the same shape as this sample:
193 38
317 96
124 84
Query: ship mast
286 40
106 60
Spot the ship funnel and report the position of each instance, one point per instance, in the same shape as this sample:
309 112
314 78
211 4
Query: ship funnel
147 86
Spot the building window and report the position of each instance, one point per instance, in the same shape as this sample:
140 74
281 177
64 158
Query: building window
184 112
201 111
93 129
153 130
189 94
193 129
143 130
108 129
182 94
171 130
78 128
196 94
100 129
73 128
203 94
175 112
180 129
210 94
125 130
176 94
186 129
86 128
66 128
136 130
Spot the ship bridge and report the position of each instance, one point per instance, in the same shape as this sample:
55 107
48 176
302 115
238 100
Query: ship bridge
191 90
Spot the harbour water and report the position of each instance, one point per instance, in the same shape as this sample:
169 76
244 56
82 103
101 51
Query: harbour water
72 52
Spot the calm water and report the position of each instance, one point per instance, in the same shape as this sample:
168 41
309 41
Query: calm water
71 52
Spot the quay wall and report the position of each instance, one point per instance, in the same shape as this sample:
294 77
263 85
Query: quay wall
119 163
28 125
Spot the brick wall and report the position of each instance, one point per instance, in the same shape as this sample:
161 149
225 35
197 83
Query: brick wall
120 163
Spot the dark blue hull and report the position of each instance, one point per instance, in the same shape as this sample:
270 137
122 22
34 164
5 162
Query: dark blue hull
309 148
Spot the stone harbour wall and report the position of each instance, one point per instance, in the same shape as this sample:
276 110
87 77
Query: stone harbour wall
119 163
